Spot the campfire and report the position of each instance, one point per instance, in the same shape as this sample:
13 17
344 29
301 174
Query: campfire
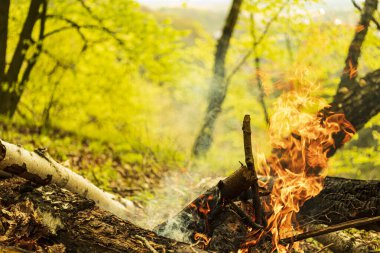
246 212
267 205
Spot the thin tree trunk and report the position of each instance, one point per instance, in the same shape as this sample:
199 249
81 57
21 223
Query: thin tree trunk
11 96
289 48
4 15
261 88
24 41
33 60
218 87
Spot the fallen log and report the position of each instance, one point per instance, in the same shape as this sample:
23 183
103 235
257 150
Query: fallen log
52 219
41 169
343 200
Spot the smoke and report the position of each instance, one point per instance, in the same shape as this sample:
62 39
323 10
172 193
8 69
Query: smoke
176 191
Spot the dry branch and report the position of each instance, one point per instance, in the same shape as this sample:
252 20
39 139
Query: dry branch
334 228
259 212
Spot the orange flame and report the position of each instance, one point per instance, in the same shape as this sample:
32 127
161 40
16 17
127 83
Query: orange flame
298 161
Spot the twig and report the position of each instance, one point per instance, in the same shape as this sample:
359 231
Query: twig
326 247
248 54
272 20
341 226
238 66
147 244
245 218
259 213
248 143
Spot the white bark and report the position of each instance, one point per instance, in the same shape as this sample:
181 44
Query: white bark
40 168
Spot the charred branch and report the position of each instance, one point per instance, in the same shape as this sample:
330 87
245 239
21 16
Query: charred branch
330 229
259 212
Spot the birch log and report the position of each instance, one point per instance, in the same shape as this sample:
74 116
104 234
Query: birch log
41 169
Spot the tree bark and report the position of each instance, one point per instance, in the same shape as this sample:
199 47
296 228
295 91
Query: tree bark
352 61
218 87
11 96
24 41
41 169
4 15
358 105
52 219
342 200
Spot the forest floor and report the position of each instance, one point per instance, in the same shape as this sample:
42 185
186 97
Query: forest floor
118 168
127 171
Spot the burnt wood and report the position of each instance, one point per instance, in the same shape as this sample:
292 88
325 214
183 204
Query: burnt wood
52 219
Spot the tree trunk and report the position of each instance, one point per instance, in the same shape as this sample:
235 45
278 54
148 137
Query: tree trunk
8 101
261 88
218 88
4 15
52 219
359 104
10 92
24 41
352 61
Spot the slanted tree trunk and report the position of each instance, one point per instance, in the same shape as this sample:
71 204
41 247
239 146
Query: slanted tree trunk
218 88
358 105
12 86
4 15
350 71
